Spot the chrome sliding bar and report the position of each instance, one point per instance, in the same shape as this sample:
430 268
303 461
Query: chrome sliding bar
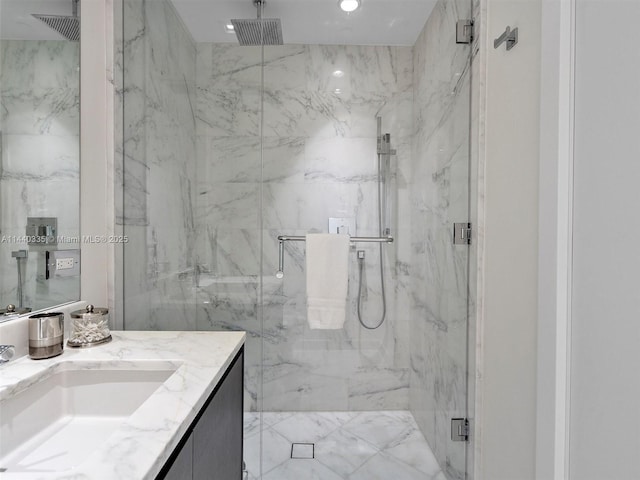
302 238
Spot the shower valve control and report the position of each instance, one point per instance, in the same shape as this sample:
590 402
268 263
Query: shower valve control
345 226
360 254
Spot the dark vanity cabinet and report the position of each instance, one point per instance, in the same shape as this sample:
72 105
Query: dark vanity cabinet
212 447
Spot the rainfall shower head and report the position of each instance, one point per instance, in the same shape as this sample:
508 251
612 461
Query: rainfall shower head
258 31
67 26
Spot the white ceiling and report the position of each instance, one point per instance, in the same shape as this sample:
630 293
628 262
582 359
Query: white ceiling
377 22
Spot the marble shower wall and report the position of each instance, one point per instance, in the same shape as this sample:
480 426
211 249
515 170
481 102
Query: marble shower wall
39 172
158 170
439 194
319 146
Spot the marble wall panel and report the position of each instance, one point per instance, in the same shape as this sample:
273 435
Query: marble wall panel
319 161
39 167
130 118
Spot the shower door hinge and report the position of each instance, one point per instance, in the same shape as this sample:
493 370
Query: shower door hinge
460 429
464 31
462 234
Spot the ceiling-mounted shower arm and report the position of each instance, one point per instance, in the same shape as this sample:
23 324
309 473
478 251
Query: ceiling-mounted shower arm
259 4
74 7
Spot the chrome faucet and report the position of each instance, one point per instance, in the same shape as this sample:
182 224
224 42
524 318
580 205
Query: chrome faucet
6 353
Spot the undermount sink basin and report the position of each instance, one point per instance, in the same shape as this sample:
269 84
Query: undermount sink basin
54 423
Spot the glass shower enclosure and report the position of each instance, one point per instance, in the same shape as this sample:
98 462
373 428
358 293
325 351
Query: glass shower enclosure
229 155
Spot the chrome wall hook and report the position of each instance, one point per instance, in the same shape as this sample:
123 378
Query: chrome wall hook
509 36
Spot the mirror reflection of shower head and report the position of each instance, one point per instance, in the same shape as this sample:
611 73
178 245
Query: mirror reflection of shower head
67 26
258 31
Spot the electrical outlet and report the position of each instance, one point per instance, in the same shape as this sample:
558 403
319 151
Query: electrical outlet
64 263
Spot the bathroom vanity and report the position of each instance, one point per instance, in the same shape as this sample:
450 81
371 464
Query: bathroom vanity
146 405
212 447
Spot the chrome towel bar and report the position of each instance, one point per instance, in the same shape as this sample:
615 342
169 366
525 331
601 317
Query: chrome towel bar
302 238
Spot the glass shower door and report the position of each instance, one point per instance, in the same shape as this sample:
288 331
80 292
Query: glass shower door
352 401
157 68
228 246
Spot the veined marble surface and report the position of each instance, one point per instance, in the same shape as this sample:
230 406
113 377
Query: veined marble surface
380 445
143 443
157 170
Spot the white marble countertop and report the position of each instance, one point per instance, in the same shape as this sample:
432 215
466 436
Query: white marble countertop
144 442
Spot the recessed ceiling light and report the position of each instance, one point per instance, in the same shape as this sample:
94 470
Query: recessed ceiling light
338 74
349 5
337 91
229 28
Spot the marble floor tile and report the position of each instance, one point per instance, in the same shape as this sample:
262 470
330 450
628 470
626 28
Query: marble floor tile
385 467
251 454
271 418
308 427
276 450
339 418
296 469
378 428
385 445
410 449
251 423
343 452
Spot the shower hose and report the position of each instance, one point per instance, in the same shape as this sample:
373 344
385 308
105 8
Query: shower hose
381 257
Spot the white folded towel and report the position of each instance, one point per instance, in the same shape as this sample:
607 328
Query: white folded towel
327 279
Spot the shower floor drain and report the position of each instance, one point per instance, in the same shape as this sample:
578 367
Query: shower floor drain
303 450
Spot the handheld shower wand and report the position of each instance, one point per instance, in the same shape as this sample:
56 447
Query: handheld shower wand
384 153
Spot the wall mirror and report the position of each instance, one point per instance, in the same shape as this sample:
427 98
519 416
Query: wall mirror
40 150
